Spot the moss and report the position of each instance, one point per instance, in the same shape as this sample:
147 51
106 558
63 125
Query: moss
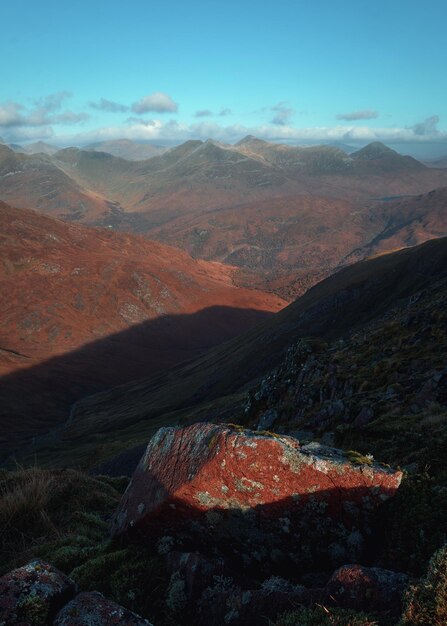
212 442
320 616
132 577
413 524
33 610
358 458
426 602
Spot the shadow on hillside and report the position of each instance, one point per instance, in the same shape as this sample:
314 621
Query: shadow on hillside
38 398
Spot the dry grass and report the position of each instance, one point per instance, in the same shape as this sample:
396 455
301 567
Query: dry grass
24 495
38 506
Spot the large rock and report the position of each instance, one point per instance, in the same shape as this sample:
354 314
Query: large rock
92 608
367 589
32 594
255 498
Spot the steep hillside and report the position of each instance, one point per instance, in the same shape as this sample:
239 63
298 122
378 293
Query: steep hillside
34 181
71 289
212 385
284 244
407 222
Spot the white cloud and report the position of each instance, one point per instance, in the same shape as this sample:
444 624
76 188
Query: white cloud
203 113
283 114
365 114
158 102
109 105
18 124
173 131
427 127
10 114
45 112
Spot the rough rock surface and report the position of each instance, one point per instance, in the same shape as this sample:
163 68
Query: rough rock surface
225 603
93 609
33 594
367 589
261 498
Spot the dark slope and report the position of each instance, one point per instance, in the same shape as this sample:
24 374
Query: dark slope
340 304
84 309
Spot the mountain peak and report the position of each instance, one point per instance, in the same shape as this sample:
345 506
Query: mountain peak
249 139
374 150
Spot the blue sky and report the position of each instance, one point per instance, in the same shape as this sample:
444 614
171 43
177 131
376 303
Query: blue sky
297 71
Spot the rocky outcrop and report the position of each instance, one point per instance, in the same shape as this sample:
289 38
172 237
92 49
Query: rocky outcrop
253 498
33 594
94 608
206 593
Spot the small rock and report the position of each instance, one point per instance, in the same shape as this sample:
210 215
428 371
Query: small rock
196 571
33 594
267 419
250 607
365 416
93 608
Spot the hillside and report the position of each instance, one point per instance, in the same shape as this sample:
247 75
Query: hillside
34 181
83 302
407 222
213 384
334 424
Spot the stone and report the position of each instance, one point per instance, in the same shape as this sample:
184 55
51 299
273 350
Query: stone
33 594
367 589
257 499
92 608
364 417
267 419
195 572
249 607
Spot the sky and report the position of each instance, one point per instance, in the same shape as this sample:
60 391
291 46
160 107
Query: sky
299 71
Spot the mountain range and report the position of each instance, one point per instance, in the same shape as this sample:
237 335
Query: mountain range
285 216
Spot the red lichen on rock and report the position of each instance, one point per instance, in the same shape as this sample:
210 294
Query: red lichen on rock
209 473
93 608
33 592
367 589
205 466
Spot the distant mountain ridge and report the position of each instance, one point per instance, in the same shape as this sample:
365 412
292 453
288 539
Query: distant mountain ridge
285 215
127 149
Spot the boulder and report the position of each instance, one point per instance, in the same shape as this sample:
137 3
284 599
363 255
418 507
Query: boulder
195 572
367 589
267 419
251 607
93 608
260 500
33 594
